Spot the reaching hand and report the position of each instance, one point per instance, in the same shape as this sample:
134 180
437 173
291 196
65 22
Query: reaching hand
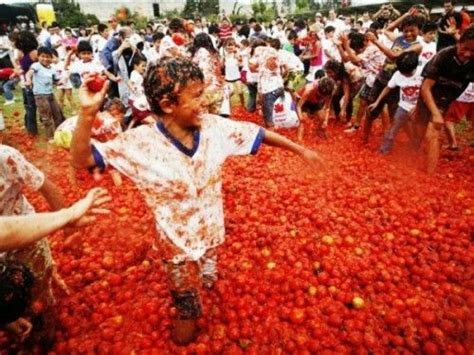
91 102
344 40
312 158
371 36
21 328
84 211
372 107
438 121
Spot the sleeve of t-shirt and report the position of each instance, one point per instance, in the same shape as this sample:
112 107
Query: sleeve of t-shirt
432 68
237 138
20 169
35 66
394 81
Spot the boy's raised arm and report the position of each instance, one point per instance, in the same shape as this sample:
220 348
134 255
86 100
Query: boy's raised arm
90 102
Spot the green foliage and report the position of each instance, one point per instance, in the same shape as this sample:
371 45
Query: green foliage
69 14
263 13
206 8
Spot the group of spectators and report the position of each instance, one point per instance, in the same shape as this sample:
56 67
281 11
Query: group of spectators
403 68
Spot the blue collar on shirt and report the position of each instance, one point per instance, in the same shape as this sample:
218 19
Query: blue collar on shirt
181 147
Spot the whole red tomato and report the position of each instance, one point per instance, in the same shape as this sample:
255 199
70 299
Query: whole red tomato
96 84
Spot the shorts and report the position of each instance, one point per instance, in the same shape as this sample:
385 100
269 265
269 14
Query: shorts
312 108
458 110
364 92
423 114
295 81
137 114
236 87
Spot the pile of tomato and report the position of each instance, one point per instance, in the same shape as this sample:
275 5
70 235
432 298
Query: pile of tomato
367 255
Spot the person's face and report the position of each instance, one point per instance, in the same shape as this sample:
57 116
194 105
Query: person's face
465 50
68 34
366 16
141 67
411 33
280 26
116 113
191 103
85 56
105 33
157 44
332 15
148 31
385 13
429 36
329 35
448 7
330 74
231 48
113 24
45 59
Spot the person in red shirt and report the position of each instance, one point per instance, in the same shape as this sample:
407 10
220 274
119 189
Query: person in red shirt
466 18
225 29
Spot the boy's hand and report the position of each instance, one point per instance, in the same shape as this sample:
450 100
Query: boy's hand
372 107
438 121
91 102
311 157
84 211
21 328
371 37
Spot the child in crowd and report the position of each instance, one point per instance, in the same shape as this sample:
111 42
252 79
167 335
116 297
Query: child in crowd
266 63
289 45
462 108
64 85
232 65
137 100
428 42
408 41
329 45
86 65
293 68
153 54
42 76
408 79
181 156
311 100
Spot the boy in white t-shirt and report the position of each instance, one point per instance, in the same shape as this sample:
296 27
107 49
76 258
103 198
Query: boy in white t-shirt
137 100
177 165
428 42
408 78
232 63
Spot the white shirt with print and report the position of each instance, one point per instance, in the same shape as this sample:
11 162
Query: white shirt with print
427 52
182 186
409 88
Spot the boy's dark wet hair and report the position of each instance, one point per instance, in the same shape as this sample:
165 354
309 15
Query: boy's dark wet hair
337 68
407 62
429 27
16 281
213 29
202 40
412 21
329 29
166 78
115 102
292 35
274 43
84 46
326 86
376 25
54 52
45 50
357 41
158 36
468 34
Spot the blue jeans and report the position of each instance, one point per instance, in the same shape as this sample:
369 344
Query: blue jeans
252 100
8 88
269 100
30 111
400 118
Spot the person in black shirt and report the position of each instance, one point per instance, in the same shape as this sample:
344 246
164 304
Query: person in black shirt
448 25
446 75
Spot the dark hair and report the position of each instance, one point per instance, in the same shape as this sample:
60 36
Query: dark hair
244 31
319 74
245 42
360 23
137 59
411 21
157 36
102 27
176 24
202 40
429 27
230 40
84 46
357 41
329 29
452 2
337 68
45 50
16 282
67 29
275 43
26 42
256 43
54 52
468 34
326 86
213 28
407 62
252 20
376 25
109 103
292 35
166 78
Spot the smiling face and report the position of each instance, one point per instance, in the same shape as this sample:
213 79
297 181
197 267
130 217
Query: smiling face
411 32
189 107
465 50
45 59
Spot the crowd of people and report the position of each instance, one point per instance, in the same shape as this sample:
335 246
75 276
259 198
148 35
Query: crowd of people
173 81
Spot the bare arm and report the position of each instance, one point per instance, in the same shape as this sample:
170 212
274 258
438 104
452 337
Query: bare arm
427 96
19 231
81 151
52 194
386 90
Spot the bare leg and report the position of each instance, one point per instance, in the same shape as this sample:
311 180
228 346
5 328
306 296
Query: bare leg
451 133
432 138
61 93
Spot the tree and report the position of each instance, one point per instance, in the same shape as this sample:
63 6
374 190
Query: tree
261 12
190 9
69 14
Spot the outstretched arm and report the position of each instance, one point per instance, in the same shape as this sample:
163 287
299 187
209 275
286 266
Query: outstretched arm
19 231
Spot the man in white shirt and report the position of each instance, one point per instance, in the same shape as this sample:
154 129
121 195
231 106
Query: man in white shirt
333 21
